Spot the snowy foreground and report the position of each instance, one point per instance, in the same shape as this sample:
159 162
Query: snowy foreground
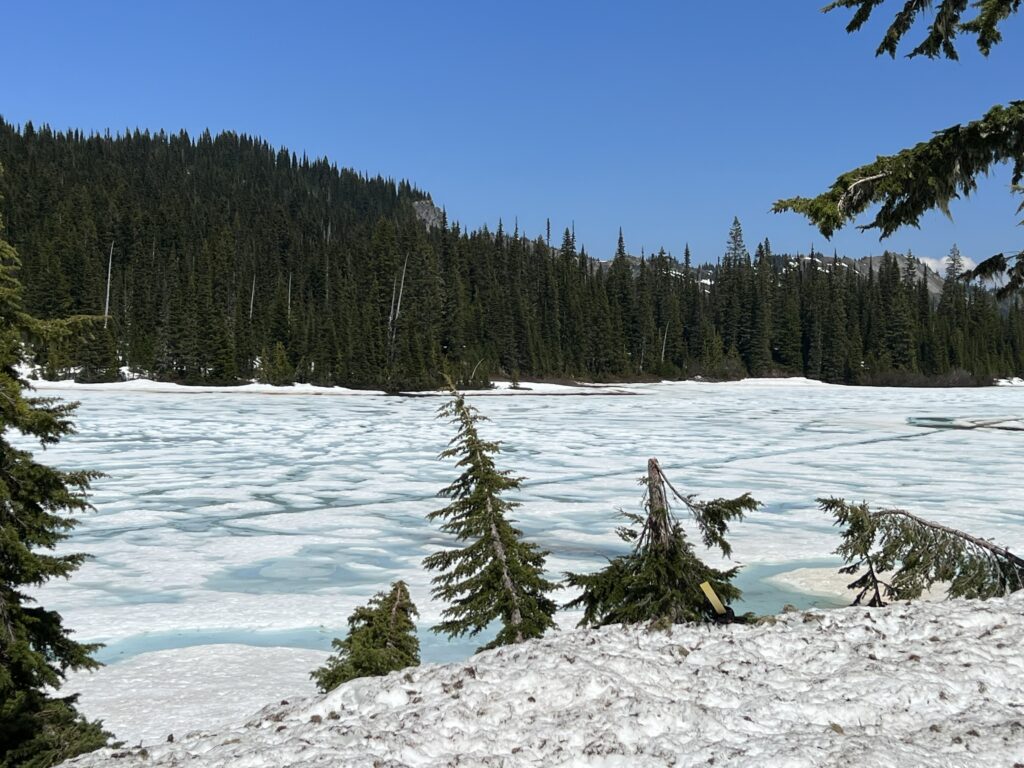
926 684
235 531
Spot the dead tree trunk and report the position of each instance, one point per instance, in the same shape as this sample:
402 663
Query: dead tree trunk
658 528
106 305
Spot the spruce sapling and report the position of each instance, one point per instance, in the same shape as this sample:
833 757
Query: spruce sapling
381 639
495 575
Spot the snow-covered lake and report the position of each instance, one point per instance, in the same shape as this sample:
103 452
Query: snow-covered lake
245 518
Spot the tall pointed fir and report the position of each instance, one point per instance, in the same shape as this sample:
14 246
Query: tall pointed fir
495 575
381 639
659 580
760 357
37 727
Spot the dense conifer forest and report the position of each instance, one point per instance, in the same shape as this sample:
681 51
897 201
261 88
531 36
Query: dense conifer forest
231 260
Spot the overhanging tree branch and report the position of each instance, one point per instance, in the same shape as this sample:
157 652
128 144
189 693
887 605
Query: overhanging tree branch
916 180
918 553
929 175
946 24
933 173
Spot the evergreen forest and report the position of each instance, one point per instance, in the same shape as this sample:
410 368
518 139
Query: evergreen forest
230 260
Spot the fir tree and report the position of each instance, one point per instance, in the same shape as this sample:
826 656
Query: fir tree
659 580
835 352
97 353
918 553
37 728
496 575
274 368
788 341
760 358
381 639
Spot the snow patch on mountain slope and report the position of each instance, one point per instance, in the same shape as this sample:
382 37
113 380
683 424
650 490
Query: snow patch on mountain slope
924 684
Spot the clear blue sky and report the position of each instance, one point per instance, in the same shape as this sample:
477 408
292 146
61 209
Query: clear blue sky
664 118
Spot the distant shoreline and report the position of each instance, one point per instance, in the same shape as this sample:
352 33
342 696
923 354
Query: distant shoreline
499 388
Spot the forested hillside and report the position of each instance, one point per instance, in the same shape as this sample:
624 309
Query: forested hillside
233 260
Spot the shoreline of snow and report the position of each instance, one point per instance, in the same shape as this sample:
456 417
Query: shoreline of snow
924 684
823 582
499 388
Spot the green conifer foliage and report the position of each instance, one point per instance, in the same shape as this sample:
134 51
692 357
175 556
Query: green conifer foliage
901 188
659 580
902 555
381 639
340 272
97 353
37 728
275 368
495 575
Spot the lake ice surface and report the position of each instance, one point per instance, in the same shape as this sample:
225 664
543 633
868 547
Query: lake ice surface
238 517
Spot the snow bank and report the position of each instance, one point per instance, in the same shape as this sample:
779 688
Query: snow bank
164 692
925 684
253 388
130 384
166 387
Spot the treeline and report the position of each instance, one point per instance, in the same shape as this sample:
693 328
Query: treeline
232 260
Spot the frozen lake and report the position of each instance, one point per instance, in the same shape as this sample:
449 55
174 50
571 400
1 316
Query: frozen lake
262 520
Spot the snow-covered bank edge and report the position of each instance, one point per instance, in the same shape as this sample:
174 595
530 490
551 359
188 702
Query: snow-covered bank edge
922 684
173 690
500 388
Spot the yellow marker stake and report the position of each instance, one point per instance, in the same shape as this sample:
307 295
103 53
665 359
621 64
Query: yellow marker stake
713 598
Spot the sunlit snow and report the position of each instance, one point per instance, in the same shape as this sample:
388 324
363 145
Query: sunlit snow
237 517
923 685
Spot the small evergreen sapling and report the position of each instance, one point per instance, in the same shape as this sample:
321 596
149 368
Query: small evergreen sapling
917 553
381 639
659 580
496 575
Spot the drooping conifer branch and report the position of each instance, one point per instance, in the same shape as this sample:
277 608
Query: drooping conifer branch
916 180
933 173
947 23
919 553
